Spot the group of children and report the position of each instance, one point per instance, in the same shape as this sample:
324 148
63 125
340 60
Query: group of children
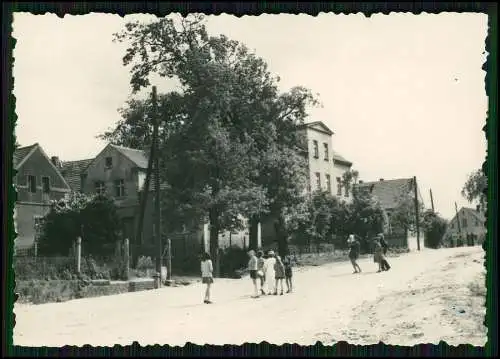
263 267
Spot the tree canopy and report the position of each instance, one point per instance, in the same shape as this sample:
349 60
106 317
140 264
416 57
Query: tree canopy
228 135
475 187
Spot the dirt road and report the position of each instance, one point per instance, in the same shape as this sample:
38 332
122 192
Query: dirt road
426 297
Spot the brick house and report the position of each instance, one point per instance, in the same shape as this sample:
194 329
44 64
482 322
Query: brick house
466 222
389 193
38 181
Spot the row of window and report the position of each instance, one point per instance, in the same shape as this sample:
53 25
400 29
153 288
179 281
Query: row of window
31 181
464 223
316 150
329 184
118 186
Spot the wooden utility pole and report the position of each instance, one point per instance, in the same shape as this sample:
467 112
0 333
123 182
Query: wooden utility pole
432 201
158 231
458 220
417 215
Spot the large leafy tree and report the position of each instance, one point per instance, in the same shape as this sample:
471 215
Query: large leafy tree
474 189
225 118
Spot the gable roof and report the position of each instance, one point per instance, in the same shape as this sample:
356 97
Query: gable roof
337 157
474 213
138 157
388 192
318 126
72 170
21 154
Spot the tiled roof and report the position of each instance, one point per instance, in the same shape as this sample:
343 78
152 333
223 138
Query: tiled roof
72 170
388 192
139 157
21 153
478 214
339 158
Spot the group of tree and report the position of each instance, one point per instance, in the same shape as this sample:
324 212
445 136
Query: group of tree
228 137
474 189
93 218
327 219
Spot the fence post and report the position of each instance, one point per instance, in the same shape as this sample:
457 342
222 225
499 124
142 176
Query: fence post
78 254
126 258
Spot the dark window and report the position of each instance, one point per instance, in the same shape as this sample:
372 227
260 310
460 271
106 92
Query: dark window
328 183
318 181
109 162
46 184
100 187
339 187
32 184
325 145
316 149
119 188
464 222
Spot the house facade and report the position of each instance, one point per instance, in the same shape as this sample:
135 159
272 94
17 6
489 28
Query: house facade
466 222
38 181
389 194
326 166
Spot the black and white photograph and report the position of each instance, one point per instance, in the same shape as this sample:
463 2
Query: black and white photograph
280 178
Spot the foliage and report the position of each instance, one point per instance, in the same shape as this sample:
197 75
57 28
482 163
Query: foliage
435 228
404 215
94 218
233 259
349 179
226 125
366 218
144 263
475 188
44 268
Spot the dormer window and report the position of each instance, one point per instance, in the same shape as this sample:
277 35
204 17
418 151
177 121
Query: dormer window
109 162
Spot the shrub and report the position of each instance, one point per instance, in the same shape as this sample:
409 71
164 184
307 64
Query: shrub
41 291
233 259
44 268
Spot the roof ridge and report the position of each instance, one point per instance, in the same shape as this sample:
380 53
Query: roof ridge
25 147
127 148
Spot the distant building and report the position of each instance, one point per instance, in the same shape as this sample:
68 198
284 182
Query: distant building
38 181
466 222
389 193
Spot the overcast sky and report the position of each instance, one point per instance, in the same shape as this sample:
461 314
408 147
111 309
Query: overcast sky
403 93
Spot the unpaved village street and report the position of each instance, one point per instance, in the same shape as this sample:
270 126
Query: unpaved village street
426 297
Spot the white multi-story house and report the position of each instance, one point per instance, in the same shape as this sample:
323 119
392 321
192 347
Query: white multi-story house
326 166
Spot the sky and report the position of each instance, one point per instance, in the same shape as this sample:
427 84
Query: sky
403 93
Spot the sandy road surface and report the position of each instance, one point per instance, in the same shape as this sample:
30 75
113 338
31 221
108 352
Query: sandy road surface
329 304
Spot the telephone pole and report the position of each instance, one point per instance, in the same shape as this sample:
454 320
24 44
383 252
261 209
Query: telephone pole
432 201
458 220
156 159
417 215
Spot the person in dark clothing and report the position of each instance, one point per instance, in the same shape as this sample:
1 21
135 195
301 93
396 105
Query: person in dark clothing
354 251
384 265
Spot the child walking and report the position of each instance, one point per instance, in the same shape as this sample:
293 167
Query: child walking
288 273
261 270
252 268
354 252
206 275
279 275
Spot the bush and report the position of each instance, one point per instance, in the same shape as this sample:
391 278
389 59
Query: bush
232 260
41 291
44 268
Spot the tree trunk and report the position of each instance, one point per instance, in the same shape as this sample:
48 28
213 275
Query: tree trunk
253 232
281 236
214 240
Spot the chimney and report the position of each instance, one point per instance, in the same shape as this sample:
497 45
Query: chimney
56 161
381 180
